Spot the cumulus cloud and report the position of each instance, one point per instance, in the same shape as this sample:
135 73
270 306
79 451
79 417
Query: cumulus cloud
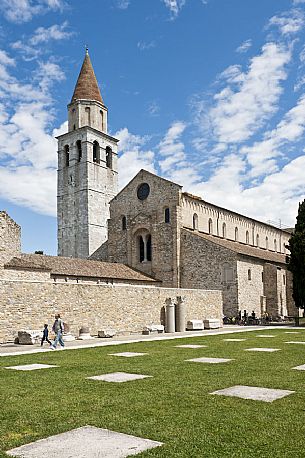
248 98
289 22
31 48
27 144
262 155
19 11
133 156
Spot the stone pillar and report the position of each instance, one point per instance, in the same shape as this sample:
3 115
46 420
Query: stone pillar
263 305
180 314
170 315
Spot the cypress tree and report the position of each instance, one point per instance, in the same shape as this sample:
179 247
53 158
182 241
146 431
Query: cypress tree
296 263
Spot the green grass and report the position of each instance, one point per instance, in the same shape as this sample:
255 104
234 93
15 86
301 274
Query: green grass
173 407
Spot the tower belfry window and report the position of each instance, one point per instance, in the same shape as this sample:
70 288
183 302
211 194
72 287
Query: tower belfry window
67 155
96 152
79 150
108 157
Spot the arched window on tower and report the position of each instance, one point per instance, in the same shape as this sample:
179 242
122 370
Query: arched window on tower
79 150
210 226
275 245
267 243
108 157
236 234
247 237
224 230
124 223
195 221
257 240
67 155
96 152
167 215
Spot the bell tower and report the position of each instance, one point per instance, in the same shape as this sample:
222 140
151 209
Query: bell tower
87 170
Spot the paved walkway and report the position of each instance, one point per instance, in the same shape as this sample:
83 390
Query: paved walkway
11 349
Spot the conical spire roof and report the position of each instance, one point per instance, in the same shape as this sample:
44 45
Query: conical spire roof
86 86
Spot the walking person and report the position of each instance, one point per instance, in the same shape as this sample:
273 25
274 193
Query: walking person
58 328
45 335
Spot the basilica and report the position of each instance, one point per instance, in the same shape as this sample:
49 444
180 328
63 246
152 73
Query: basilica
122 254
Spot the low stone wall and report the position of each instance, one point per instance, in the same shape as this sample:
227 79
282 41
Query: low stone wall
127 309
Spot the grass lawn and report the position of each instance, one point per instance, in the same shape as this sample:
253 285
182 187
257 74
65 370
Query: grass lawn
173 407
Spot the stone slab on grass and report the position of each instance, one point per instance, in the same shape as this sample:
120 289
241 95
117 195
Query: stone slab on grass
300 342
191 346
300 368
118 377
85 442
253 392
31 367
292 332
128 354
234 340
265 335
267 350
209 360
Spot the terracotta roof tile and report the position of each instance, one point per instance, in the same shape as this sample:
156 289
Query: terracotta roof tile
59 265
86 86
242 248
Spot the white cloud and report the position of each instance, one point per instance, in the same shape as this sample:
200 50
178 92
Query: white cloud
289 22
123 4
19 11
31 48
144 45
248 99
153 108
244 46
132 157
262 155
27 147
174 6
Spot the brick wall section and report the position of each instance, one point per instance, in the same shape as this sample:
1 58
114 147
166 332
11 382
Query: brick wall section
10 238
127 309
201 267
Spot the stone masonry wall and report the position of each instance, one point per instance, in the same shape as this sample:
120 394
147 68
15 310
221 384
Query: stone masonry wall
202 266
250 286
224 223
28 305
147 216
10 238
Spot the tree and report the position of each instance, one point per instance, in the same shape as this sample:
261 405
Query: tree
296 263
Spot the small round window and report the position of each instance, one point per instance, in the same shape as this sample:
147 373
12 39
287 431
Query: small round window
143 191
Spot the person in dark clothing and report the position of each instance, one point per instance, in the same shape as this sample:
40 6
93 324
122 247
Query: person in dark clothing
45 335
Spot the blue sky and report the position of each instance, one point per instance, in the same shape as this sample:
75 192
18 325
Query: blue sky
207 93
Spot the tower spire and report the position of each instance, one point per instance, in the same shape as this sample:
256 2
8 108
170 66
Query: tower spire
86 87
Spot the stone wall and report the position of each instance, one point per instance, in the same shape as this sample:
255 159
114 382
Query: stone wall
85 189
147 216
224 222
10 238
250 286
202 266
127 309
